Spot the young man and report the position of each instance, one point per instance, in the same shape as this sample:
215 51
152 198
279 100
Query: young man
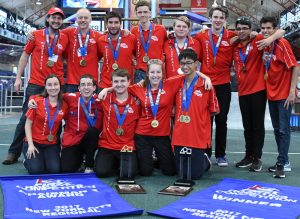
252 91
83 125
281 71
216 59
150 39
82 53
194 108
116 48
121 113
46 50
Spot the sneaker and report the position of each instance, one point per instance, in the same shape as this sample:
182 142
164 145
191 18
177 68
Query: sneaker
256 165
221 161
287 167
246 162
88 170
208 161
279 172
10 159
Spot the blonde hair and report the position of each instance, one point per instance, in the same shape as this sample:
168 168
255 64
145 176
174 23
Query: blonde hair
183 19
149 63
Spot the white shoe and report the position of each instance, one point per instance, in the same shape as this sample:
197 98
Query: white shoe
88 170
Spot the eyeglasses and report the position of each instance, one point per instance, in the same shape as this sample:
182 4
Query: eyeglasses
186 63
242 28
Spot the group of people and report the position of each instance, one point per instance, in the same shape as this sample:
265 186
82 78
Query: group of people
139 118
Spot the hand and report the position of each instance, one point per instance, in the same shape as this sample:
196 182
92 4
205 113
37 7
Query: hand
171 35
263 44
253 34
31 152
290 100
234 39
126 32
207 84
141 83
30 35
18 85
32 104
102 95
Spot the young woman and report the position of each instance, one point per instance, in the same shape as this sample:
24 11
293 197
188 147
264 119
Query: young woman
153 128
40 149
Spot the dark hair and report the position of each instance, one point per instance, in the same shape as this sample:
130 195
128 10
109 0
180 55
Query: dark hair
60 94
221 8
112 14
188 54
244 21
88 76
47 23
271 20
149 63
142 3
120 73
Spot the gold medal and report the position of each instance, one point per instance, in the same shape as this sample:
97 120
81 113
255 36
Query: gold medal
244 69
146 58
266 76
119 131
187 119
50 137
154 123
50 63
115 66
181 118
82 62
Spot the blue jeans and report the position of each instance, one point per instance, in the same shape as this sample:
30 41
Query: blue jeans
280 117
139 75
17 144
46 161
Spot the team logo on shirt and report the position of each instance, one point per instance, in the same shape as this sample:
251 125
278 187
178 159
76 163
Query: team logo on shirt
92 41
124 45
60 112
130 110
198 93
225 43
154 38
59 46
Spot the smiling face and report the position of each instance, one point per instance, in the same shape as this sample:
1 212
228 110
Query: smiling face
181 29
188 66
155 74
86 88
83 19
267 29
55 21
113 26
243 32
120 84
143 13
52 86
217 20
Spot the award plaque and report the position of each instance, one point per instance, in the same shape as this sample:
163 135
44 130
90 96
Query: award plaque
176 190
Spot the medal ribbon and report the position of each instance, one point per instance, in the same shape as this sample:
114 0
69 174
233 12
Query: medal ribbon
145 45
51 122
184 46
117 51
268 57
120 118
51 47
214 47
244 56
83 47
187 93
154 106
91 120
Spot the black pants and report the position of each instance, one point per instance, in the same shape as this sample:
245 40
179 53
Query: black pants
162 147
108 163
72 157
253 107
223 93
198 162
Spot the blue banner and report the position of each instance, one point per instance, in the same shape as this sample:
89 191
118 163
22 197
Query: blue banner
61 196
235 199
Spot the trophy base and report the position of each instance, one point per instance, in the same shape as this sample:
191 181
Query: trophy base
125 180
184 182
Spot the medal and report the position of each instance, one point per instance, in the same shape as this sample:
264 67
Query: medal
181 118
82 62
244 69
215 61
154 123
119 131
266 76
187 119
214 47
50 137
50 63
145 58
115 66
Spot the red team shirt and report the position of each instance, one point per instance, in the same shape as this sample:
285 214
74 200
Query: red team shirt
172 63
155 51
197 133
170 87
75 70
280 72
76 124
220 73
38 116
127 50
37 47
108 137
252 80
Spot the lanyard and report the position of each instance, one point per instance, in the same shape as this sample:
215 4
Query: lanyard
120 117
51 47
184 46
244 56
144 44
187 93
214 47
117 51
87 111
83 47
268 57
51 122
154 106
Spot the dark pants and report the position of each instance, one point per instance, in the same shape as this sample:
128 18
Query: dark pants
72 157
223 93
162 147
108 163
198 162
139 75
71 88
45 162
280 117
17 143
253 107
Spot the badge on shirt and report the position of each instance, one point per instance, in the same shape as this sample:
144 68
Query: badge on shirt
54 58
